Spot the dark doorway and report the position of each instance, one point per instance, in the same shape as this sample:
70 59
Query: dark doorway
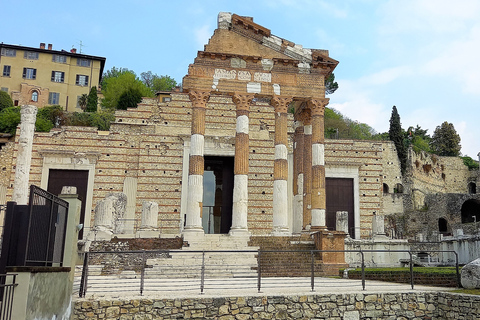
442 226
217 194
58 178
472 188
471 211
340 198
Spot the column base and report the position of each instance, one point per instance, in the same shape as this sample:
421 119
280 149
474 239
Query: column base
239 232
318 228
280 232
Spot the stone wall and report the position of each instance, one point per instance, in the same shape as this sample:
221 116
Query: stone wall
6 155
149 145
414 305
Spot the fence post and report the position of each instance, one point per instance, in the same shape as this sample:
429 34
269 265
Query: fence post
259 271
202 274
459 281
83 281
142 273
312 280
363 269
411 269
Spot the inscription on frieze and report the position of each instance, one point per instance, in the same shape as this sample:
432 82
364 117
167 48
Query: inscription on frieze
225 74
262 77
244 76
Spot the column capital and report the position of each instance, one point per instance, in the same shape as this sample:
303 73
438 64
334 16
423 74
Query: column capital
280 103
199 98
242 101
317 105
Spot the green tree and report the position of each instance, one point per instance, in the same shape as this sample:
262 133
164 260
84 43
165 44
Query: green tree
130 98
82 101
92 100
418 139
330 85
445 140
113 73
115 86
9 119
396 135
5 100
158 83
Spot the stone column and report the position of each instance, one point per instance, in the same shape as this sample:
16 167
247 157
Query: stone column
298 146
24 154
196 165
317 107
307 171
342 221
149 225
242 151
280 170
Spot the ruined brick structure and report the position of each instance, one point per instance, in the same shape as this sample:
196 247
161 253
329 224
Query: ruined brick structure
251 116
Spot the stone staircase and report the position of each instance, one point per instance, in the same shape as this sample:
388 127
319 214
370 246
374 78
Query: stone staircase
222 255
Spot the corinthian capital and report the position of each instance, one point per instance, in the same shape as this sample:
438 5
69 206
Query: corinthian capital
318 105
280 103
242 101
199 98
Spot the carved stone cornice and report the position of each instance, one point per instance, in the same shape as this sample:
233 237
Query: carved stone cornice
281 103
76 157
199 98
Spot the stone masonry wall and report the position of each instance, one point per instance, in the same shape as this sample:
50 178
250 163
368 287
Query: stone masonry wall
147 144
400 306
6 155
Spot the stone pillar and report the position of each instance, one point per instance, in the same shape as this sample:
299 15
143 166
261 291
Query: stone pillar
317 107
307 172
196 167
280 170
378 225
24 154
298 146
242 151
149 224
103 223
342 221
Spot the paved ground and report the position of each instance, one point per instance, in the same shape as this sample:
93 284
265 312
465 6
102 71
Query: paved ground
112 287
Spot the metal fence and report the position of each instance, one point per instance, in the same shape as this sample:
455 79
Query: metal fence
7 287
189 270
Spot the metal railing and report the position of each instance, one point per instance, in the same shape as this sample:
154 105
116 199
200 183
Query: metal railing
131 266
7 289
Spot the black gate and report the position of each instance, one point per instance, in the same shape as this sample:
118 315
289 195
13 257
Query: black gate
34 234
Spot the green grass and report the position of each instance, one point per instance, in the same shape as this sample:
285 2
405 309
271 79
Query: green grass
467 291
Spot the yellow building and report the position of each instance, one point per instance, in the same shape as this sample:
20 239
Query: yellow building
42 76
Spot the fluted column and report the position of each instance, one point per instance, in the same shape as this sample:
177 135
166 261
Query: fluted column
280 170
317 107
298 145
307 170
242 150
196 165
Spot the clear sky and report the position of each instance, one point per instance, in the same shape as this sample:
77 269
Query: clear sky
421 55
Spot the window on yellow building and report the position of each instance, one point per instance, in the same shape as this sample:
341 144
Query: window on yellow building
58 76
31 55
59 58
83 62
34 96
81 80
9 52
29 73
53 98
6 71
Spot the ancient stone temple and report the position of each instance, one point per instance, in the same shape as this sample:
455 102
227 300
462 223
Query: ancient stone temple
239 151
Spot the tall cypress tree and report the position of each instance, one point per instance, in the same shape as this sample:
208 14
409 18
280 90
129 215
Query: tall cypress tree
92 100
396 135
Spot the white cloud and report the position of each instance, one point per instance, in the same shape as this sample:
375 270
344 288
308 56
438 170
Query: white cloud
386 76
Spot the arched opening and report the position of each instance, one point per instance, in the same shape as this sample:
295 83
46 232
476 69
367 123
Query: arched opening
385 188
34 96
442 226
472 188
470 211
398 188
